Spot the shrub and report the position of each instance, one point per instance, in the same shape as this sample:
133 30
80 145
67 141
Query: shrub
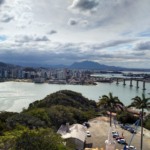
126 117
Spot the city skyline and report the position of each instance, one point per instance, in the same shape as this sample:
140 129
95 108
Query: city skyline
113 32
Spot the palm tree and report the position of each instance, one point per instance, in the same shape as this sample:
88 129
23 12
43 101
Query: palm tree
111 103
141 103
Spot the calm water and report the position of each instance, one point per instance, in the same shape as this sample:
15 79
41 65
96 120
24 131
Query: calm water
17 95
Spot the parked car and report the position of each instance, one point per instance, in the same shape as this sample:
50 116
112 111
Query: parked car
118 138
115 134
88 134
126 127
131 130
130 147
122 141
121 125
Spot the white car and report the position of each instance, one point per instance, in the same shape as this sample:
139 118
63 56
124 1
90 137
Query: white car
88 134
131 147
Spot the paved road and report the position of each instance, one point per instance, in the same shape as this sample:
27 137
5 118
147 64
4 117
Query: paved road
99 133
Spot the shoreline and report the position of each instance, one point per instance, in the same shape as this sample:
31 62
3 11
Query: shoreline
47 81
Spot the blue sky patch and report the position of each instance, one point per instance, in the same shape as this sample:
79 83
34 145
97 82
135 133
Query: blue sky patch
121 47
144 34
2 38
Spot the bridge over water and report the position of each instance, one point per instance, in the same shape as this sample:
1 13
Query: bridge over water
131 82
123 80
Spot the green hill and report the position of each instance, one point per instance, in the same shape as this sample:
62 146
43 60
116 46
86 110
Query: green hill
65 98
42 119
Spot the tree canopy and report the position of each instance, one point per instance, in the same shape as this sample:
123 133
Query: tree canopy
35 127
66 98
110 102
141 102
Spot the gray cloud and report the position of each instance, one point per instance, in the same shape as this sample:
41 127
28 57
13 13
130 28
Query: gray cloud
6 18
117 14
72 22
41 38
111 44
2 1
52 32
143 46
31 38
138 53
67 53
78 21
85 5
33 56
67 57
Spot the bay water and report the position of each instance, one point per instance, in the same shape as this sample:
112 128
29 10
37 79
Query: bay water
14 96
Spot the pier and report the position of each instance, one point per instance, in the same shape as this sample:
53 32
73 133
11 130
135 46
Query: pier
131 83
117 81
124 82
137 84
144 85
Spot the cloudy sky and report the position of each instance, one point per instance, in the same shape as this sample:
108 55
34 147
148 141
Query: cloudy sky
111 32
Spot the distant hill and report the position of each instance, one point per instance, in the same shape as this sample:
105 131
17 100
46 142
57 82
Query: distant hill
34 65
6 65
3 64
88 65
93 66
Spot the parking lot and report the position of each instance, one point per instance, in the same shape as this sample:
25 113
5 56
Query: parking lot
99 133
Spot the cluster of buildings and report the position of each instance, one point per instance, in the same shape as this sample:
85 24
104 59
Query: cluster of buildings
65 75
40 75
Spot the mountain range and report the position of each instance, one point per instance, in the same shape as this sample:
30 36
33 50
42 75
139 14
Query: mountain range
88 65
93 66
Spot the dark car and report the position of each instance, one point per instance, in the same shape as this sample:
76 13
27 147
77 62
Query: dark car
131 130
126 126
121 125
86 124
118 138
122 141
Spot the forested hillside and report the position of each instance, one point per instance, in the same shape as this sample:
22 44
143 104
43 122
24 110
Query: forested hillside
66 98
32 126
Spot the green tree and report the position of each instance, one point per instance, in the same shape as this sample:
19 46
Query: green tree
59 115
41 114
3 119
42 139
126 117
147 122
26 120
111 103
141 103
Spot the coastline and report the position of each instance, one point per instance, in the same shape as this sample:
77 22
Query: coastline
47 81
